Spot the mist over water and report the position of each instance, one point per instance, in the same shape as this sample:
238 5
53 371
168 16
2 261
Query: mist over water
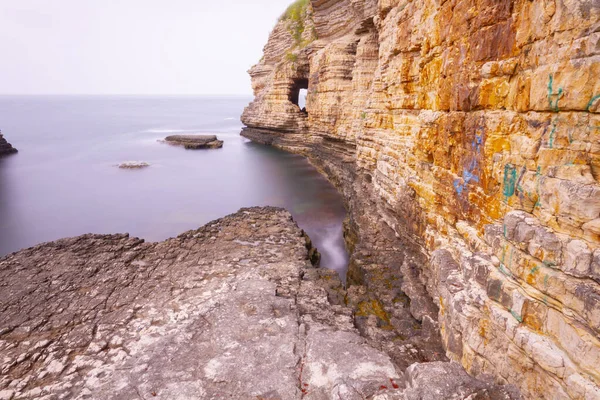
64 182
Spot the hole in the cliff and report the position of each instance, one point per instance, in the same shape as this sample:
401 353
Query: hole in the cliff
298 93
302 99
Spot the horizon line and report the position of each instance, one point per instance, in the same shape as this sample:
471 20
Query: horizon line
132 94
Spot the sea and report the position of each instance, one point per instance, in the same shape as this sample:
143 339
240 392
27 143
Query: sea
64 181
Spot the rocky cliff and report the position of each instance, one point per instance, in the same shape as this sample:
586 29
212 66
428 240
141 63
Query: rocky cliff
5 147
465 136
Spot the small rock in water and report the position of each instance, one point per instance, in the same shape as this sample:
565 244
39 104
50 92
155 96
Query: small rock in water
195 142
133 165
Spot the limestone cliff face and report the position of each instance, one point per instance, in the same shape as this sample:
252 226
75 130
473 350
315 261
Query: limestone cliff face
5 147
471 129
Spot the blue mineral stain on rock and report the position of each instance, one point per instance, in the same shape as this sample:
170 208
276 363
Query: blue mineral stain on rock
469 173
458 186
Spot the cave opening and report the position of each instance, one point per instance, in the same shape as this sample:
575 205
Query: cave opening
299 92
302 99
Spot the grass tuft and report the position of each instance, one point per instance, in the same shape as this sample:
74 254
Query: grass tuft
295 10
291 56
295 15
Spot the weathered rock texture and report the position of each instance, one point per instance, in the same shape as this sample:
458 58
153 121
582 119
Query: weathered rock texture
231 310
133 165
5 147
465 136
195 142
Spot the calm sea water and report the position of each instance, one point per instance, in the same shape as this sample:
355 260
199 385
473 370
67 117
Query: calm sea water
64 182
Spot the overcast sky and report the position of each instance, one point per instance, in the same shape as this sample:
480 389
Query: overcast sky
132 46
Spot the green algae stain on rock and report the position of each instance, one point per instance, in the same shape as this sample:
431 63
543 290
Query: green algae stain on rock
516 315
553 98
591 102
510 179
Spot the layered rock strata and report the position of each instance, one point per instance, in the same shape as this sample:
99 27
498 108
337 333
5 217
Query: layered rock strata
465 136
5 147
234 310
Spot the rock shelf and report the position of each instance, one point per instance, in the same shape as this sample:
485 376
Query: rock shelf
195 142
234 309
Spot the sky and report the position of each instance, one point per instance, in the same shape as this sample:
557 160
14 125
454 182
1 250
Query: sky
168 47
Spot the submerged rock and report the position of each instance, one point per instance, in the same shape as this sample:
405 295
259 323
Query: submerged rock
195 142
133 165
234 309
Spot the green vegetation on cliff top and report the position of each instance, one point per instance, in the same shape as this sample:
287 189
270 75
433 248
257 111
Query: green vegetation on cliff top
295 10
295 14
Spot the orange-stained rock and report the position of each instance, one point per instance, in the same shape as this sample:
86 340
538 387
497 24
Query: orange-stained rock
465 135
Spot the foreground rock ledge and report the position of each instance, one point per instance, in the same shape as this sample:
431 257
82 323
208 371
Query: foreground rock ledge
231 310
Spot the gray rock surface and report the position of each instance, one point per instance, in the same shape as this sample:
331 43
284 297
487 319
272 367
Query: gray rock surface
448 381
233 310
195 142
133 165
220 312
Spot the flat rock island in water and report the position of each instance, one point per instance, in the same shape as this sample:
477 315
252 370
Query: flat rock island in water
234 309
195 142
133 165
